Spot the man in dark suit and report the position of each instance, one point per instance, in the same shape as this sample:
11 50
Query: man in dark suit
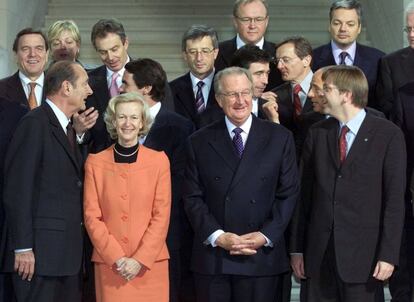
250 19
239 197
257 61
193 92
345 26
396 69
111 44
10 115
356 245
294 58
168 133
31 51
43 231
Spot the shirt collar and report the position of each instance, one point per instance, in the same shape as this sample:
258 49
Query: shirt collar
207 80
62 118
25 80
245 127
336 51
355 123
240 43
109 72
306 82
153 111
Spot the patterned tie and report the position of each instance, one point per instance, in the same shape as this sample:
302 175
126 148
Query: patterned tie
343 144
342 57
238 141
297 105
32 96
113 88
200 106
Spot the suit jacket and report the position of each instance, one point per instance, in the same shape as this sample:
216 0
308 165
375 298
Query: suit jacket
361 201
366 58
184 102
228 48
11 88
127 206
396 70
43 196
10 115
286 108
255 193
169 133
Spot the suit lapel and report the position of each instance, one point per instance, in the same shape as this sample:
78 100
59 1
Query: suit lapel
61 136
153 135
223 145
15 90
228 52
255 143
407 63
186 97
361 142
327 57
332 141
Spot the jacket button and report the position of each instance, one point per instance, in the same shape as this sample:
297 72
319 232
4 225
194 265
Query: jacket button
253 201
124 217
79 184
217 178
123 175
340 176
125 240
227 199
124 196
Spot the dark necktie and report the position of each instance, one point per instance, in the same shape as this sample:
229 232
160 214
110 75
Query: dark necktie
238 141
343 143
32 96
70 132
296 100
342 57
199 98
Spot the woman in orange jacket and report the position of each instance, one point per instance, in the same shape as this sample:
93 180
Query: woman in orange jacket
127 200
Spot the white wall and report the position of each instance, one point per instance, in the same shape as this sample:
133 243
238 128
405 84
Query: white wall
14 16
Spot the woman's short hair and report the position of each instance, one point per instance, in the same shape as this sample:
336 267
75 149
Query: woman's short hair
130 97
59 26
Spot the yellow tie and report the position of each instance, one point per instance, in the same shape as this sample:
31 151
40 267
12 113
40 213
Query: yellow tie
32 96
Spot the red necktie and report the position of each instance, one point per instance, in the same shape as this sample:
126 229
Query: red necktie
342 143
297 105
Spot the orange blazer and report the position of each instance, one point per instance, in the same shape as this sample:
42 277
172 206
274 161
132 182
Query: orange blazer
127 206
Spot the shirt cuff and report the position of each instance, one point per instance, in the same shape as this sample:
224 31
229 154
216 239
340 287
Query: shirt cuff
213 237
22 250
269 242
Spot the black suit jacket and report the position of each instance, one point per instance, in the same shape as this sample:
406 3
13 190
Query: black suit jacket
10 115
169 133
366 58
43 196
360 203
11 88
255 193
285 106
396 70
228 48
184 103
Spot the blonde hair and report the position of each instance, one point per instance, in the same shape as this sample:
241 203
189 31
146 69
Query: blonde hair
130 97
61 25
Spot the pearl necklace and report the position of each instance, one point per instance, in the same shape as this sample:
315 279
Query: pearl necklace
126 155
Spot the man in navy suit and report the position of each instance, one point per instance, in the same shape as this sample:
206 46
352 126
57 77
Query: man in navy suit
250 20
345 26
168 133
355 247
241 185
194 92
43 194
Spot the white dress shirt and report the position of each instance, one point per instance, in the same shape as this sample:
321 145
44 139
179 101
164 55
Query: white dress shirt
38 88
205 90
336 52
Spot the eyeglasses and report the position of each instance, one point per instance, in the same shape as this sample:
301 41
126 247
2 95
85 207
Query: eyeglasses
327 89
204 51
248 20
408 29
284 60
233 95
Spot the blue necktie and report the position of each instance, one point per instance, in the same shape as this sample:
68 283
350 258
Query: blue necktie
238 141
